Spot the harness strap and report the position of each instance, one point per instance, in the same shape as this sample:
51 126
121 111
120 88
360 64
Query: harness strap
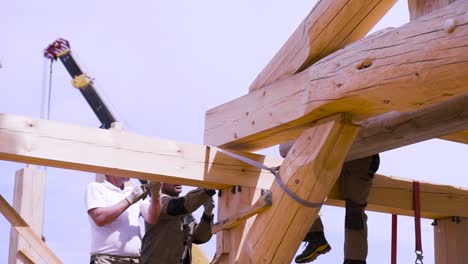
275 172
417 223
394 238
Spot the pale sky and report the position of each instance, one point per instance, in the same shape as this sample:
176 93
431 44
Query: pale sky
161 65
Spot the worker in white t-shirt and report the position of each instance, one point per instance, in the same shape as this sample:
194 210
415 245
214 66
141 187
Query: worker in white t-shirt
114 211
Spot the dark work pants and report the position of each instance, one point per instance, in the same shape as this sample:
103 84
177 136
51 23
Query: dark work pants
356 179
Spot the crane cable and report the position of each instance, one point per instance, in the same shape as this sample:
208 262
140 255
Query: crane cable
46 90
45 112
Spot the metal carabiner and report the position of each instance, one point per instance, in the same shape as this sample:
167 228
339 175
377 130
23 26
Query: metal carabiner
419 257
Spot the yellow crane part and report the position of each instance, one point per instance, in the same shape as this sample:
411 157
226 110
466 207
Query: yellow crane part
198 255
81 81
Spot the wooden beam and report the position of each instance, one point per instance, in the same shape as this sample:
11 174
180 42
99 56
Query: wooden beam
239 217
122 153
451 241
330 26
395 129
394 195
25 257
28 201
27 233
420 64
460 137
310 172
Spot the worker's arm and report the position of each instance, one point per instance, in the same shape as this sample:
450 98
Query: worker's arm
178 206
151 211
100 213
105 215
202 232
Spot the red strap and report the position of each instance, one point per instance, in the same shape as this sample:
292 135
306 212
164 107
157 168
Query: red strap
417 221
394 238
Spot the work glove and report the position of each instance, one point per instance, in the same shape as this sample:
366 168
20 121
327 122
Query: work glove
137 193
209 206
210 192
155 188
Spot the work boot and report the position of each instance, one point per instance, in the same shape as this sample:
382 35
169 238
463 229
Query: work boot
316 245
353 261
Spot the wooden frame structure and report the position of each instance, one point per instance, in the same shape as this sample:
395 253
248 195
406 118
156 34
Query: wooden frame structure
329 87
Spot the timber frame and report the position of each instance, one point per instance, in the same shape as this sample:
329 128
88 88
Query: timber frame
331 89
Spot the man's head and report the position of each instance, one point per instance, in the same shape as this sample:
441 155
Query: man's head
171 189
117 180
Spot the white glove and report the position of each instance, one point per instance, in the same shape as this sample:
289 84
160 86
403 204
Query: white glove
137 194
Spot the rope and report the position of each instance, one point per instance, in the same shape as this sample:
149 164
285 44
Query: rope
394 238
275 172
417 223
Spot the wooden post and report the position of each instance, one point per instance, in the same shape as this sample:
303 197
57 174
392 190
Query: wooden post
451 241
26 232
309 171
230 201
420 8
28 201
449 236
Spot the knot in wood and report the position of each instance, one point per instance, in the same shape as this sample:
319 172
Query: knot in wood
450 25
365 64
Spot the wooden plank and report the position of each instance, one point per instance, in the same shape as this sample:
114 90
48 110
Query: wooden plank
310 172
28 201
330 26
394 195
26 257
418 8
451 241
460 137
56 144
239 217
27 233
420 64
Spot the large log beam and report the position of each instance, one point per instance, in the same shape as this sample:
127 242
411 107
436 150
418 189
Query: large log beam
409 68
310 172
330 26
55 144
394 129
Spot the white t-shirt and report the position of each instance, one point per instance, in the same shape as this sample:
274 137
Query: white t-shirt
121 237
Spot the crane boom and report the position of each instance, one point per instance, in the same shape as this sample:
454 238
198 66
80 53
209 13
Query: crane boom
60 49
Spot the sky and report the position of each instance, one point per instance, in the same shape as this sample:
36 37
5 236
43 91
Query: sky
160 65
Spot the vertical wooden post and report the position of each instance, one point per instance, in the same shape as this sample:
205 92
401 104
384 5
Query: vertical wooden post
419 8
28 201
451 241
447 241
228 242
